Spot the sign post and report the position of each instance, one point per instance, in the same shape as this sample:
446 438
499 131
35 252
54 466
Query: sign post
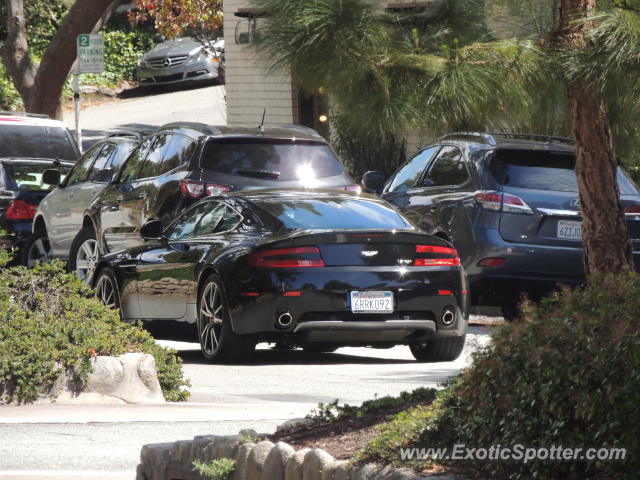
90 60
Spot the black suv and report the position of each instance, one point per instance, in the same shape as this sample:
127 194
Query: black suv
182 162
509 204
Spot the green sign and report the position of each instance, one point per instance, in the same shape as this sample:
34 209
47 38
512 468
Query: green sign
90 53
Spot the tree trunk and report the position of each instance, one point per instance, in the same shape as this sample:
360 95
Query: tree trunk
606 241
41 89
15 52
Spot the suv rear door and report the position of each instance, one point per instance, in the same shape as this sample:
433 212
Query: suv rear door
546 183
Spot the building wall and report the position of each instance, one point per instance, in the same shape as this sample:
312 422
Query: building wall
250 88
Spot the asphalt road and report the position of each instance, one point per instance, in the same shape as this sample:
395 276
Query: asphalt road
103 442
206 105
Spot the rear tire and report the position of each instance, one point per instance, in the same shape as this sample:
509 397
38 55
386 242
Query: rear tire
218 341
84 255
510 310
36 250
438 349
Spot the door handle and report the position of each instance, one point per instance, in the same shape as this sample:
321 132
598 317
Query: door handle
142 195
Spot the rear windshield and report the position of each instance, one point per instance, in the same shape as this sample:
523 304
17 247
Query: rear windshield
280 160
29 141
335 213
23 177
544 171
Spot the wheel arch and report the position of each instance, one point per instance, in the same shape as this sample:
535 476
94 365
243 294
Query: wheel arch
39 224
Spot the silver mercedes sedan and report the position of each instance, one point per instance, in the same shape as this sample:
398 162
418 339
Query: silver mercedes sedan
182 60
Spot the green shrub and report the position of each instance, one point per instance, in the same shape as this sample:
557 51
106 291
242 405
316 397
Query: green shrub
9 97
566 375
50 321
219 469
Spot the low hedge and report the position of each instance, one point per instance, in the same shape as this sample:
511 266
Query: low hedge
567 374
50 321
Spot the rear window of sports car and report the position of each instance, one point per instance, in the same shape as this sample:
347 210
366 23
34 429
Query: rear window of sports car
335 213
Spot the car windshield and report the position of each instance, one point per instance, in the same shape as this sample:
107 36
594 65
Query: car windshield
335 213
27 176
30 141
271 159
544 171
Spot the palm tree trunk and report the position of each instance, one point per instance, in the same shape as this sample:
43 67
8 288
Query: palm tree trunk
606 241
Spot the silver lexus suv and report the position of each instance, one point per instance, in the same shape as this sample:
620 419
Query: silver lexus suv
182 60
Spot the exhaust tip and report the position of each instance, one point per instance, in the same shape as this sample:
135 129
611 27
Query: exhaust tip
448 316
284 320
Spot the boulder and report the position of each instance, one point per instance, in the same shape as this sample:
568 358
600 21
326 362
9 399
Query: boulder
314 462
276 463
241 458
295 464
256 459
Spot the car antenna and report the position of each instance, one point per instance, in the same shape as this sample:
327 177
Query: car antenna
261 126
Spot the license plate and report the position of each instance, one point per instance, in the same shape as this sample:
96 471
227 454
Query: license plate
568 230
372 302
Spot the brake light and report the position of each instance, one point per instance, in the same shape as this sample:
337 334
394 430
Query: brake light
445 292
296 257
353 188
491 262
505 202
20 210
194 189
446 256
633 209
191 189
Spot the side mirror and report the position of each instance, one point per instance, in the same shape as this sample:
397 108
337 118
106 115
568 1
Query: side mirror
373 181
104 175
51 176
152 230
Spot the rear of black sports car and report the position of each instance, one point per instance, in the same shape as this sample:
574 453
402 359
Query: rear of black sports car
352 288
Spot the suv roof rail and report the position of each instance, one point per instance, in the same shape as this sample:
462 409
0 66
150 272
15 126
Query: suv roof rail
24 114
490 138
208 129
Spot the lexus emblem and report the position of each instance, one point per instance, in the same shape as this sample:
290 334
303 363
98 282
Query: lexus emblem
369 253
575 203
166 62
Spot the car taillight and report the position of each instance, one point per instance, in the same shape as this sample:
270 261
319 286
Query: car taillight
353 188
295 257
194 189
438 256
505 202
20 210
633 209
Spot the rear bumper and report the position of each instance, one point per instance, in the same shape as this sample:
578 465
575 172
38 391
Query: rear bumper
534 269
321 312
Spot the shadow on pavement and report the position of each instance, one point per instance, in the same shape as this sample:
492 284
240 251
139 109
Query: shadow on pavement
286 357
151 90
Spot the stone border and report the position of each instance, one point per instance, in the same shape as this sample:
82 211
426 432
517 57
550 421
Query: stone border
259 461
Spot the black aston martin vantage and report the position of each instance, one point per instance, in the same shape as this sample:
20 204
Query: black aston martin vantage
320 270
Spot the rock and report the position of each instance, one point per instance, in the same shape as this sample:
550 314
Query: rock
294 422
154 459
294 465
106 375
329 471
314 462
402 474
241 458
276 463
256 459
366 472
226 447
342 471
86 398
384 473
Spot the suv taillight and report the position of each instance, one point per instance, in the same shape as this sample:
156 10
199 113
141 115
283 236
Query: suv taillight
353 188
633 209
20 210
295 257
194 189
433 256
502 202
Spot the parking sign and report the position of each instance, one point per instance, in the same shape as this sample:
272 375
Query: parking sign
90 53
